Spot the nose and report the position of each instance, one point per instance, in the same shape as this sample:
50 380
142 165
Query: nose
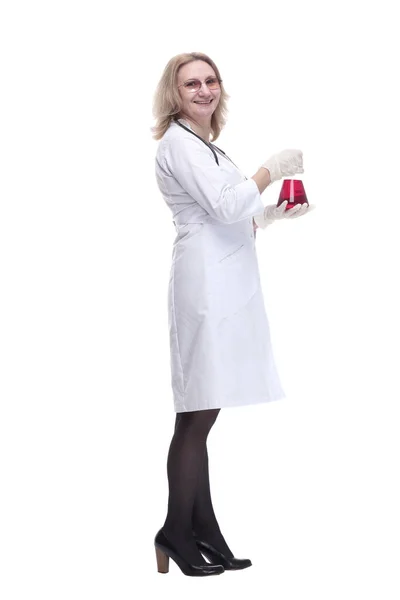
204 89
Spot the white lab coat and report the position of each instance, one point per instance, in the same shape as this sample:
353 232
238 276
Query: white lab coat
221 353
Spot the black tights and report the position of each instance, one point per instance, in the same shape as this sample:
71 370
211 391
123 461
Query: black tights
189 503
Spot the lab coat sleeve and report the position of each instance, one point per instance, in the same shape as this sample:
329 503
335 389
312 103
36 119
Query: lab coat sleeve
193 165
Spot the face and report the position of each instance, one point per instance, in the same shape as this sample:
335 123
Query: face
198 106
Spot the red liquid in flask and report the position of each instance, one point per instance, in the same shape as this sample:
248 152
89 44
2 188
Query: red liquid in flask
293 191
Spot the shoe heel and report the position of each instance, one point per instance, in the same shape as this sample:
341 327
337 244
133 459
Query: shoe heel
162 561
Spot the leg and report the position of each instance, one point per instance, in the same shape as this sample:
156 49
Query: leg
185 462
204 521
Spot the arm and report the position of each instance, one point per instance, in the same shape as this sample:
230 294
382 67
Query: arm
262 179
190 162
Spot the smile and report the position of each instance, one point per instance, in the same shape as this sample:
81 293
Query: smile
207 102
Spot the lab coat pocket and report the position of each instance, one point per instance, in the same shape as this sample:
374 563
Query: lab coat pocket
232 255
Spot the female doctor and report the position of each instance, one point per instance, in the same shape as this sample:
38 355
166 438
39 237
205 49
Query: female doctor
220 346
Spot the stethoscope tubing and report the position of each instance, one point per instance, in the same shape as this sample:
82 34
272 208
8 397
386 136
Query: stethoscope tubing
209 145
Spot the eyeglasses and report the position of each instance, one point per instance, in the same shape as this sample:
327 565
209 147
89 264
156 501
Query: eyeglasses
193 85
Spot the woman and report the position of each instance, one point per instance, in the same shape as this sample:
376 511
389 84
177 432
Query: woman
219 337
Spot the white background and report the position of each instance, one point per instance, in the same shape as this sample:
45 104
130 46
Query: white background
306 487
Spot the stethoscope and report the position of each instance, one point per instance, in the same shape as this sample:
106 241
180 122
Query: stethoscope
208 144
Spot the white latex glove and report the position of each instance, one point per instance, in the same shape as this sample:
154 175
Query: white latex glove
283 164
272 213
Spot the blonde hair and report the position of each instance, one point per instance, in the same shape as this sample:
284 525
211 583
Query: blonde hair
167 101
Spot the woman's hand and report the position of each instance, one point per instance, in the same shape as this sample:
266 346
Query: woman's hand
284 164
273 213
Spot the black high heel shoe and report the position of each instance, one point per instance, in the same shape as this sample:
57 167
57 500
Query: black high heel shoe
229 564
165 551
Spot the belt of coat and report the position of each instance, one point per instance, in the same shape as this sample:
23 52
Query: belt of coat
180 221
